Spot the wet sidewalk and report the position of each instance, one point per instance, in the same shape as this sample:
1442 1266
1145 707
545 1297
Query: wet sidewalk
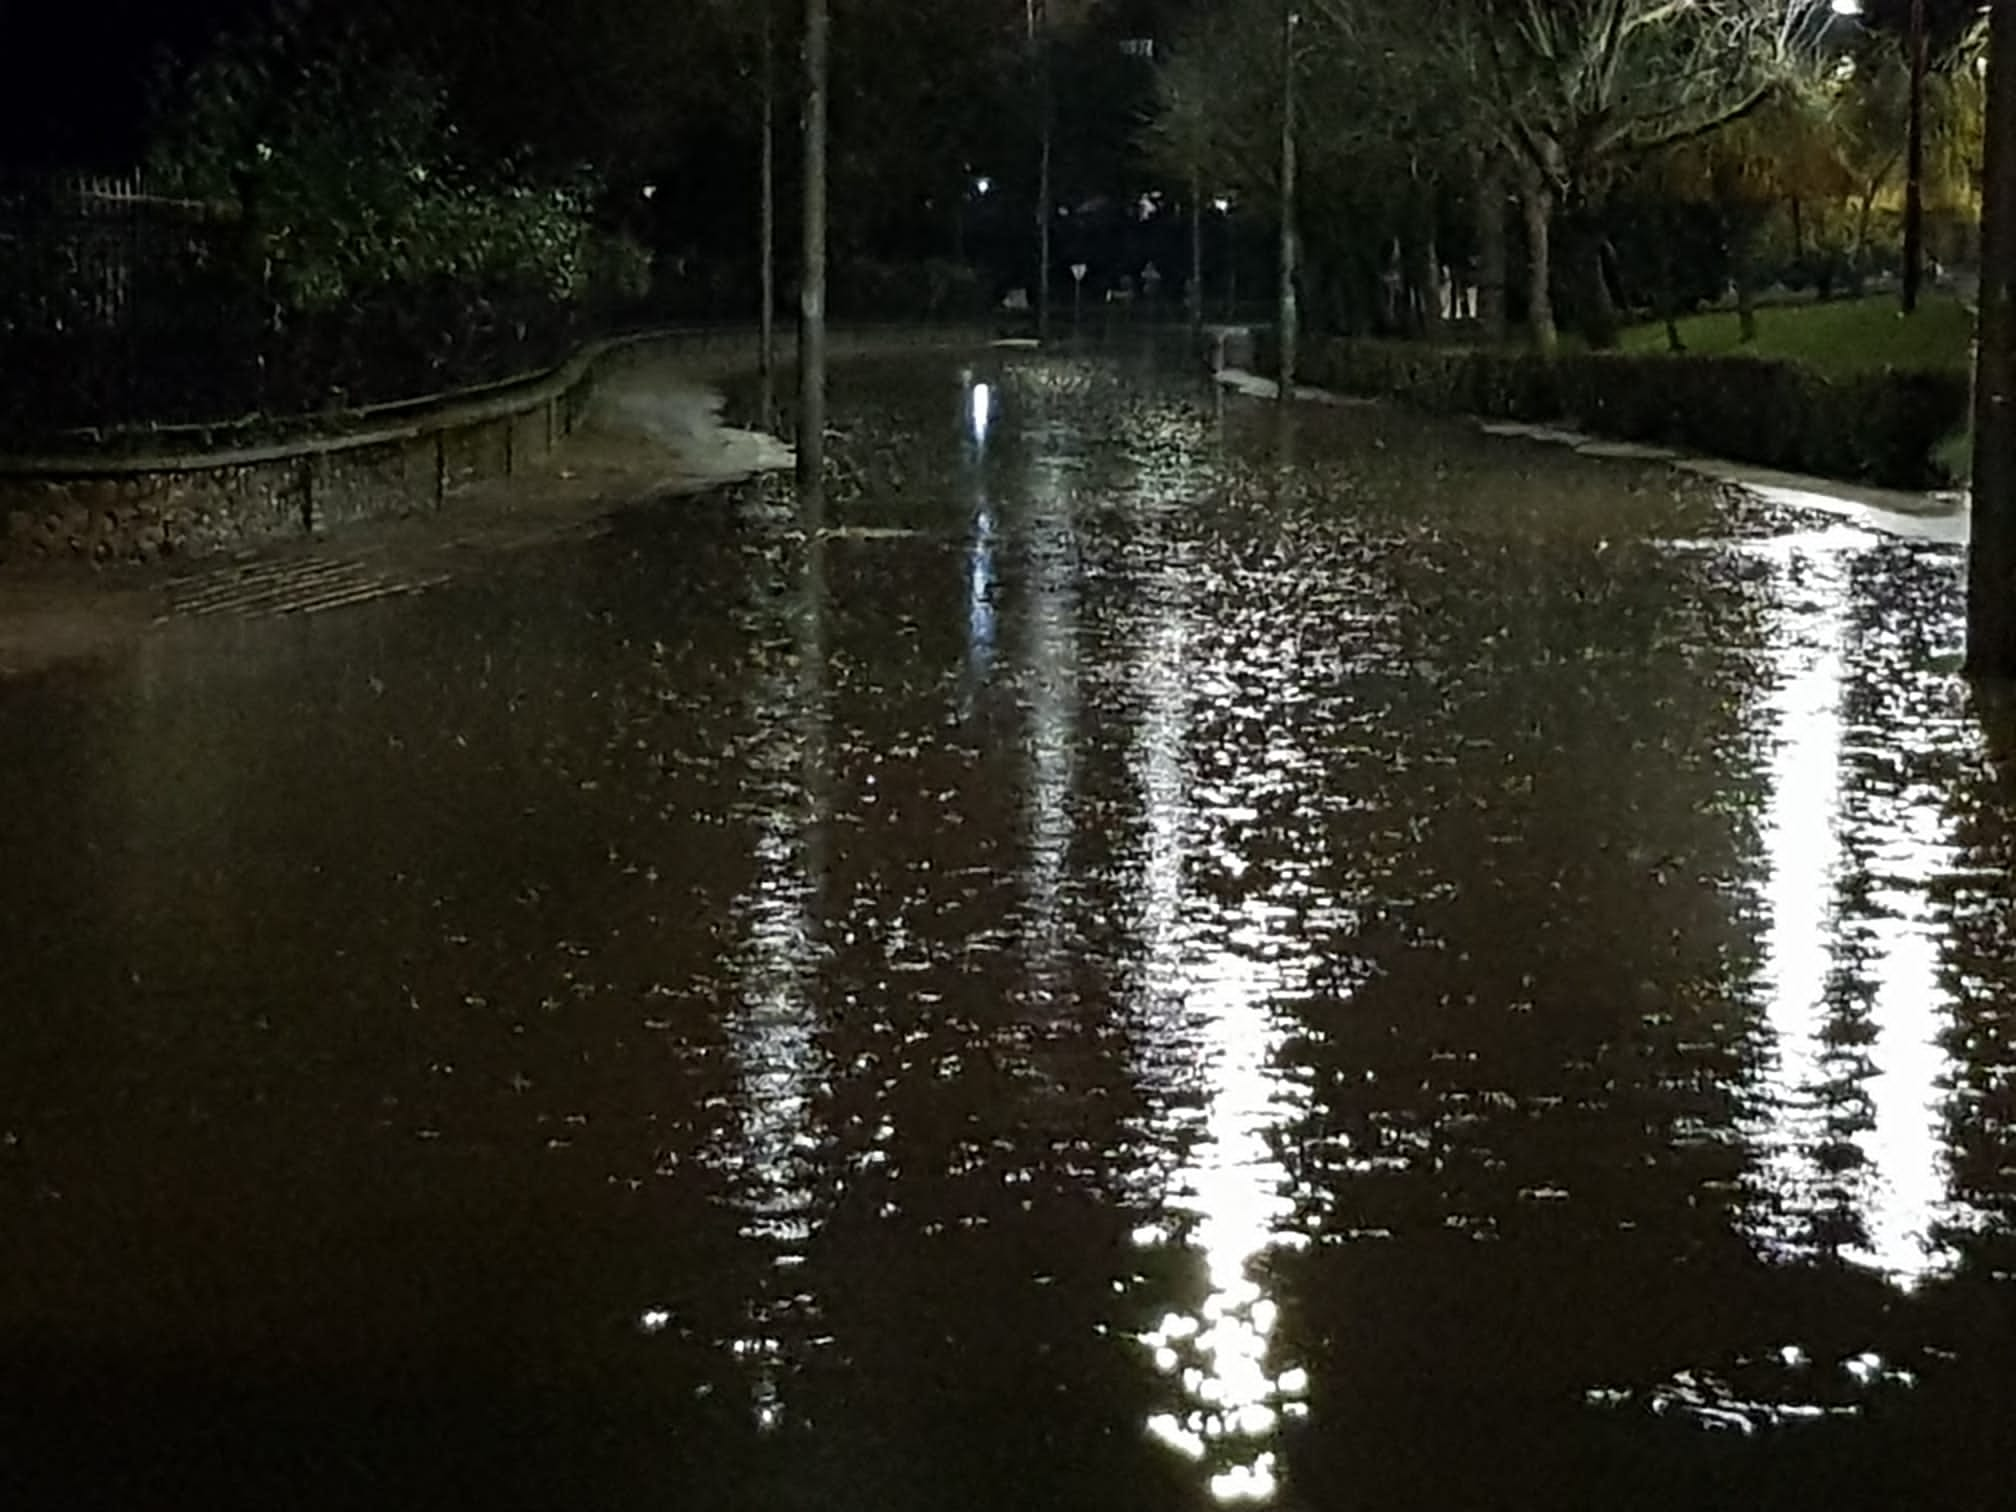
654 436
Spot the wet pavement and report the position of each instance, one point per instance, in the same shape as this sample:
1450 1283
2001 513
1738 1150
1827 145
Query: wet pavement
1169 959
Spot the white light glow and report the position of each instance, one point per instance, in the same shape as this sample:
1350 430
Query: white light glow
1215 970
1818 962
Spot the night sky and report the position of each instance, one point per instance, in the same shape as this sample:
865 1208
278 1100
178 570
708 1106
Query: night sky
74 74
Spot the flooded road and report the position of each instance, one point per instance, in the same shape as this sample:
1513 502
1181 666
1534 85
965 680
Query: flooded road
1168 961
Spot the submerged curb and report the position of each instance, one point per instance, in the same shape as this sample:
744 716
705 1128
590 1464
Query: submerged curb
1939 517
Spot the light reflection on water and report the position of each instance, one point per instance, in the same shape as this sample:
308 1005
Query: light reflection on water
1633 836
773 1029
1051 642
1211 1025
1846 1133
980 563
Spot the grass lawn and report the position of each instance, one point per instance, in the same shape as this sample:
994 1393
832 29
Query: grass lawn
1843 336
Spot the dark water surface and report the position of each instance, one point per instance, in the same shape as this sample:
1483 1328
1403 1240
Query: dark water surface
1165 963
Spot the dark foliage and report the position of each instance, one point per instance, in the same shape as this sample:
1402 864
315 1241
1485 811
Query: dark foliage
1879 427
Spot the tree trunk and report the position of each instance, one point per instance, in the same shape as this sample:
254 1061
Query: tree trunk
1489 173
1196 300
1536 203
1668 296
1863 214
1914 166
1742 268
1798 229
812 278
1290 321
1043 217
1600 324
1038 17
766 356
1427 263
1991 563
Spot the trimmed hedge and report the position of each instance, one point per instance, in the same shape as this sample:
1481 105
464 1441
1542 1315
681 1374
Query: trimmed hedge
1880 427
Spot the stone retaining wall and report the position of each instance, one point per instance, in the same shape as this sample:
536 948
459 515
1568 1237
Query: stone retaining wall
113 508
409 459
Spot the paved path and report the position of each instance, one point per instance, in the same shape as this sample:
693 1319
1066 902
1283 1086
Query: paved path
653 436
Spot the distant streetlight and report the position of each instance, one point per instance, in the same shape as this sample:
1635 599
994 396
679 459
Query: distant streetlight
983 186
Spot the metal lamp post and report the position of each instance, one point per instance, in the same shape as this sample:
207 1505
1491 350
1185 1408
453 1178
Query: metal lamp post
1290 316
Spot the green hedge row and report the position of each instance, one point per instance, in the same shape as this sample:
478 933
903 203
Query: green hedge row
1880 427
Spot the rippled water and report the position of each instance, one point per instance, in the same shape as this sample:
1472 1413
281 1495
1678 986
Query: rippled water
1170 960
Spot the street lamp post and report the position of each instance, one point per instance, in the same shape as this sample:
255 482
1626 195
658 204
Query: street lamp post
812 276
766 357
1223 205
1289 317
1037 15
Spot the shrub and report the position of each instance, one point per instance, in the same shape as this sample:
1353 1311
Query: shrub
343 167
619 268
1880 427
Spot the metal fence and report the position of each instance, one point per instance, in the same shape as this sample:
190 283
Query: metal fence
125 311
126 314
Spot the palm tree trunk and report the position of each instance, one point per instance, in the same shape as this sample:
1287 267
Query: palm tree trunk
812 277
1536 202
1991 563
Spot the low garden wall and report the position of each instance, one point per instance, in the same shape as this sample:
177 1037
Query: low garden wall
1879 427
195 491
